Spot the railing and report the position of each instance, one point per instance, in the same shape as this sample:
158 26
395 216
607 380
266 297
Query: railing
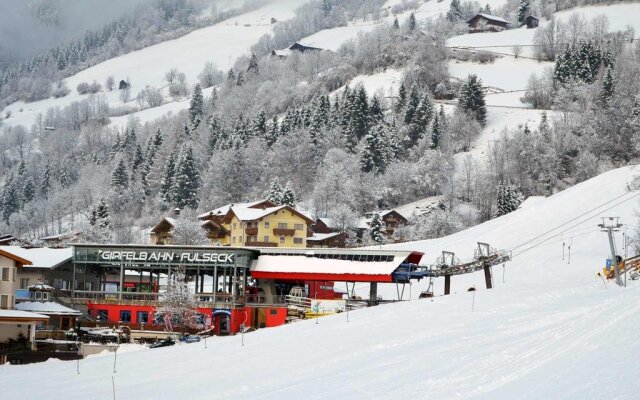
296 301
261 244
257 299
284 232
251 231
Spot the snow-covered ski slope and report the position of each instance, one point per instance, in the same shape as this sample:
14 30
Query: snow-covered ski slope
570 217
221 44
551 331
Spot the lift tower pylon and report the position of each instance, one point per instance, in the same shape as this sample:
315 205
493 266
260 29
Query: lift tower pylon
610 225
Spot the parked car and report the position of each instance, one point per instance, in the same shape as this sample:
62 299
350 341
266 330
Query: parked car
190 339
163 343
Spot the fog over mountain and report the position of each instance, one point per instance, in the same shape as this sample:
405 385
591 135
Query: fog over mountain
29 26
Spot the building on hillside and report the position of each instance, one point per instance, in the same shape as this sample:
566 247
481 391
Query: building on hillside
61 239
482 22
325 233
123 85
531 21
6 240
216 230
279 226
297 46
10 263
40 302
48 266
324 240
391 219
14 323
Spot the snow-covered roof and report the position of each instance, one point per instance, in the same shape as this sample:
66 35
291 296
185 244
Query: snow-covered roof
222 211
317 237
282 53
490 18
41 286
46 307
18 314
41 257
310 262
61 235
251 214
329 222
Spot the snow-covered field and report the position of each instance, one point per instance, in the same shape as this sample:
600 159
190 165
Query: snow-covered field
505 73
549 331
221 44
332 39
620 16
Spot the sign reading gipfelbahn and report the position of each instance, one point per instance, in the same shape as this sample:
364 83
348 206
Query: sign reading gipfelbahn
189 256
166 256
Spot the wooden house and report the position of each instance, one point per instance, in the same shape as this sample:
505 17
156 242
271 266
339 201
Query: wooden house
482 22
531 21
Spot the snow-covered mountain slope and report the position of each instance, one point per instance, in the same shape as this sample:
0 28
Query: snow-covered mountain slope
221 44
551 331
570 217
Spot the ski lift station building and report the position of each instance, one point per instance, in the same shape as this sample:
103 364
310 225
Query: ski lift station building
233 286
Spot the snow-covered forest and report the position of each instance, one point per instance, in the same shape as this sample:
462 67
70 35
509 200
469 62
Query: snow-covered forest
344 149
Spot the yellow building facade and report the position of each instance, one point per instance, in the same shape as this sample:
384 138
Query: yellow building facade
280 226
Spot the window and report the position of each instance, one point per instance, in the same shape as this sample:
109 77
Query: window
38 295
298 227
5 274
24 283
266 239
125 316
281 239
143 317
266 224
233 239
4 301
45 296
102 315
282 225
234 225
297 240
273 311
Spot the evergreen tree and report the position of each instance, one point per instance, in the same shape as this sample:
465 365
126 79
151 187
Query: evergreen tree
402 98
196 106
100 223
138 159
635 110
120 177
240 79
359 124
396 24
375 151
217 135
168 175
472 99
455 11
259 127
524 10
508 199
63 176
412 22
436 131
45 183
231 77
275 191
273 133
10 199
375 110
608 86
377 229
253 65
288 196
412 105
187 180
28 189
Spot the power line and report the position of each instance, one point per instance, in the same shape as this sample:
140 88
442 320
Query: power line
573 219
573 226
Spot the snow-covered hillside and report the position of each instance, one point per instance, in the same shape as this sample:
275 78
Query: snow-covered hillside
221 44
550 331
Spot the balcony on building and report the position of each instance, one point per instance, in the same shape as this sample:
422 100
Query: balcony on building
255 243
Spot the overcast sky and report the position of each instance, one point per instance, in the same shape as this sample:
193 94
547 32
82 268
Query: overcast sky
23 33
